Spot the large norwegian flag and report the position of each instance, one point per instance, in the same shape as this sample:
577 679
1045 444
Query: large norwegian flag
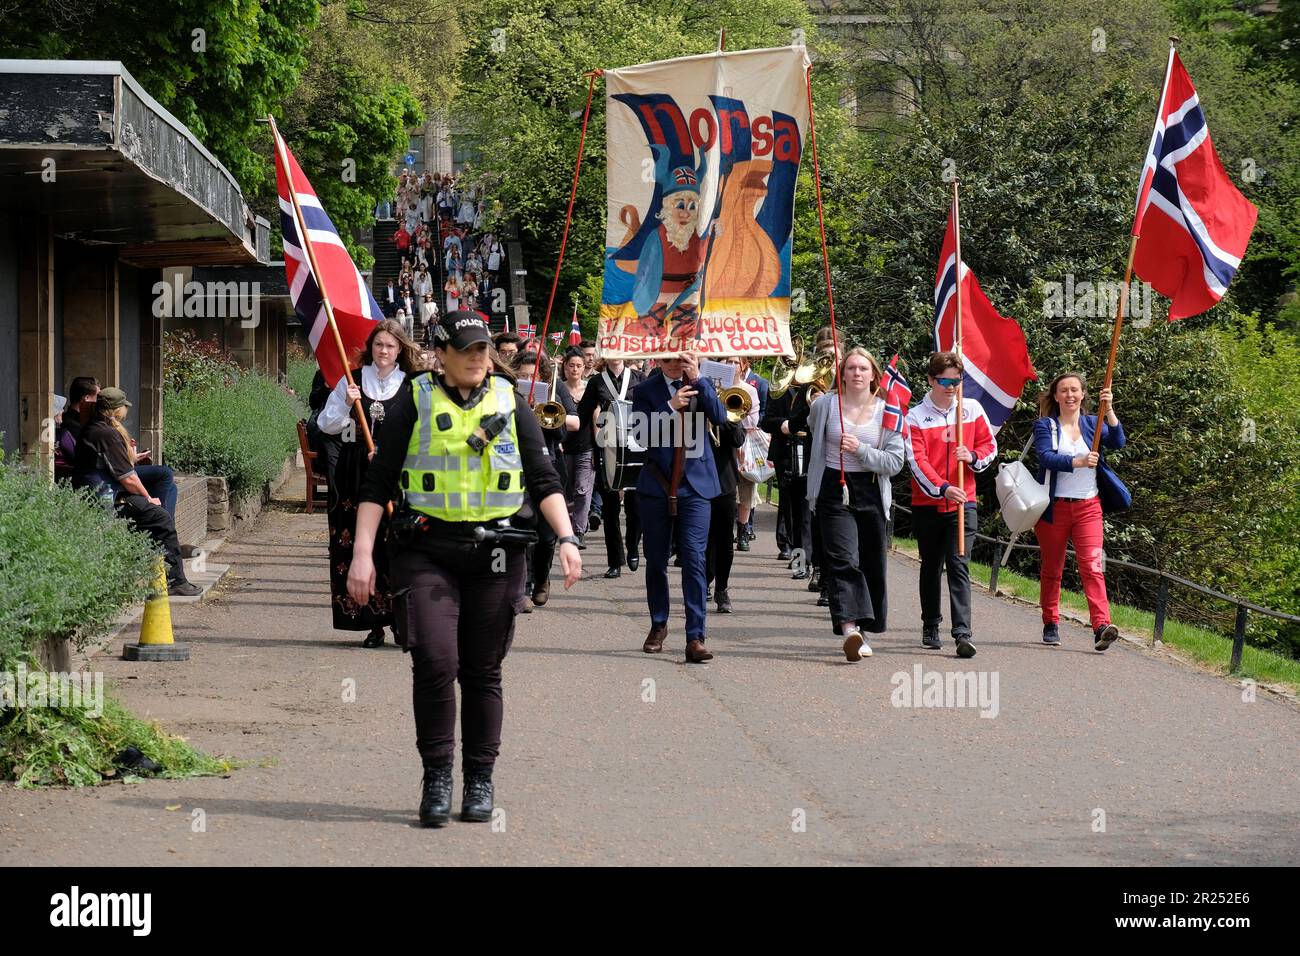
993 348
1193 223
355 308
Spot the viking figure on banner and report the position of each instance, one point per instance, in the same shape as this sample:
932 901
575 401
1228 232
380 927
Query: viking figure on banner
666 292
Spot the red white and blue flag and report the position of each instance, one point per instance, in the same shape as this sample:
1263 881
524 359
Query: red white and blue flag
575 331
355 308
557 337
1193 223
898 397
527 332
993 348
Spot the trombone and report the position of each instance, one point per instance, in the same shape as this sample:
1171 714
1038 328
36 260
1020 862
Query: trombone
737 402
550 413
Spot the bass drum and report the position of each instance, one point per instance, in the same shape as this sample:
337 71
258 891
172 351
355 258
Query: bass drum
621 467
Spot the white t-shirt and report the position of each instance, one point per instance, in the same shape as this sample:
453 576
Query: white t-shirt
1082 482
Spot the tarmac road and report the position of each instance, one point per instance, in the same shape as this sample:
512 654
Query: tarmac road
776 752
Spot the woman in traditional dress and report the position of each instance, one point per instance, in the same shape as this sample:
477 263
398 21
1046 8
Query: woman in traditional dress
389 356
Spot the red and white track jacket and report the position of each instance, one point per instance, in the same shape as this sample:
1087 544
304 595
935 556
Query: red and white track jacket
931 450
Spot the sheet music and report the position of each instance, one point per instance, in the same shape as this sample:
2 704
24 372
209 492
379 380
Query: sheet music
720 374
541 391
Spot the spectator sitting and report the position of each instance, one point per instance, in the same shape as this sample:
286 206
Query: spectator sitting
65 445
105 457
82 392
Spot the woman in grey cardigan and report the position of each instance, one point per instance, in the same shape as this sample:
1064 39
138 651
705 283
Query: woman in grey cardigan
849 472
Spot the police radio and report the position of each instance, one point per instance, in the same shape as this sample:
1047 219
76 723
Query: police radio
489 427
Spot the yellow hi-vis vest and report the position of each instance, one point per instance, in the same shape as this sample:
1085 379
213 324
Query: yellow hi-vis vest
444 477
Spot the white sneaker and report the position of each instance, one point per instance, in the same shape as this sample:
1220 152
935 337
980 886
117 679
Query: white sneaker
855 647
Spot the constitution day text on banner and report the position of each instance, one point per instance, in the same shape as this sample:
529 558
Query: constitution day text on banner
703 156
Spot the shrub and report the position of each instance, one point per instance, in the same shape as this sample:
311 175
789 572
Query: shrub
242 432
67 568
194 364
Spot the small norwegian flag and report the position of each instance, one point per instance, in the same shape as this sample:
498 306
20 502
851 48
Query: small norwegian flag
526 332
575 330
556 337
898 396
685 176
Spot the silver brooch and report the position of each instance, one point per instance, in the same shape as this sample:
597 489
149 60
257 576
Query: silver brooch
376 411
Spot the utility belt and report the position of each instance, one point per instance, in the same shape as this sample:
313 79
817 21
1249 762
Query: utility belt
455 539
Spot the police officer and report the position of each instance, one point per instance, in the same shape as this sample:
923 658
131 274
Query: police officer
463 456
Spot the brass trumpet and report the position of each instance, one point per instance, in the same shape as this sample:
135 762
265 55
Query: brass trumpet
737 402
550 413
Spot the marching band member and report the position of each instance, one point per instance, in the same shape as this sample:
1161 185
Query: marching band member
675 488
722 513
853 518
389 357
464 456
578 443
613 382
933 456
1082 488
541 555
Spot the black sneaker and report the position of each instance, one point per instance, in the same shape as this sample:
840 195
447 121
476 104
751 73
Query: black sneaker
824 600
783 554
964 646
930 637
815 581
1104 637
1051 634
593 521
724 601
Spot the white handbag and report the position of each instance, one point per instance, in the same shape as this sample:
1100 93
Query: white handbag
1022 497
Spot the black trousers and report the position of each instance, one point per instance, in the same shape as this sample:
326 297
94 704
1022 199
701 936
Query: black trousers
853 549
722 540
541 556
614 538
154 521
457 618
936 539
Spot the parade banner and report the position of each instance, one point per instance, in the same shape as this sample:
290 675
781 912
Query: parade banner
703 156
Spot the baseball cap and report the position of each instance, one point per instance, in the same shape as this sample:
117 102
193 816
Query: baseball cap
111 398
461 329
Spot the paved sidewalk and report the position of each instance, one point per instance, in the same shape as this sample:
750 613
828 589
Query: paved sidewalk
777 752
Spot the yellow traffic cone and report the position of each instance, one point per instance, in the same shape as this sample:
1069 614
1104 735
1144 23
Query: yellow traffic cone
156 642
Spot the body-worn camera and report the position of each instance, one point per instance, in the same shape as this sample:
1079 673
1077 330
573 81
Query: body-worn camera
489 427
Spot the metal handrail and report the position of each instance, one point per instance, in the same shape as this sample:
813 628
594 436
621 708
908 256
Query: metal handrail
1162 596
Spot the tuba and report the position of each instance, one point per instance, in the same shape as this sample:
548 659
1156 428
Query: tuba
550 413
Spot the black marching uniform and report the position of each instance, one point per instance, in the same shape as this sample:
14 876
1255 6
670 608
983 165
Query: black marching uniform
595 400
722 513
789 456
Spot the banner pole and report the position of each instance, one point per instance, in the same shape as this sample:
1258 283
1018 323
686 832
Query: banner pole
568 218
961 466
315 274
826 264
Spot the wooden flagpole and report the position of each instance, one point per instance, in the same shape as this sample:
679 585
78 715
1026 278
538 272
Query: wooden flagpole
1102 408
961 466
315 272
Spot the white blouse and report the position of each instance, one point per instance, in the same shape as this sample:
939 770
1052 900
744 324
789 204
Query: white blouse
334 416
1082 482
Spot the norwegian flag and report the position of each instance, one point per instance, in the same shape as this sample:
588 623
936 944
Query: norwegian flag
993 351
526 332
355 308
1193 224
575 331
557 337
898 396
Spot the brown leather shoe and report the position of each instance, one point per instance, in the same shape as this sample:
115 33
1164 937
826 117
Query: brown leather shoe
696 653
654 642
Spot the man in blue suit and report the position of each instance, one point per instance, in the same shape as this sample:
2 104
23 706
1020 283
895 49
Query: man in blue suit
675 488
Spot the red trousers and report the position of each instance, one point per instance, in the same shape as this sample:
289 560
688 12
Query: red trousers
1079 522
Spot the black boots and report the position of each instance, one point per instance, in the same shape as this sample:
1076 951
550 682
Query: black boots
476 807
435 799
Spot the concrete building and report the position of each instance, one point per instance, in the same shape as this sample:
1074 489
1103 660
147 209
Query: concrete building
101 190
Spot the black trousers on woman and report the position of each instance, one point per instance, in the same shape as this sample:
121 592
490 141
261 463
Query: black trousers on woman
614 538
722 540
457 619
852 549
